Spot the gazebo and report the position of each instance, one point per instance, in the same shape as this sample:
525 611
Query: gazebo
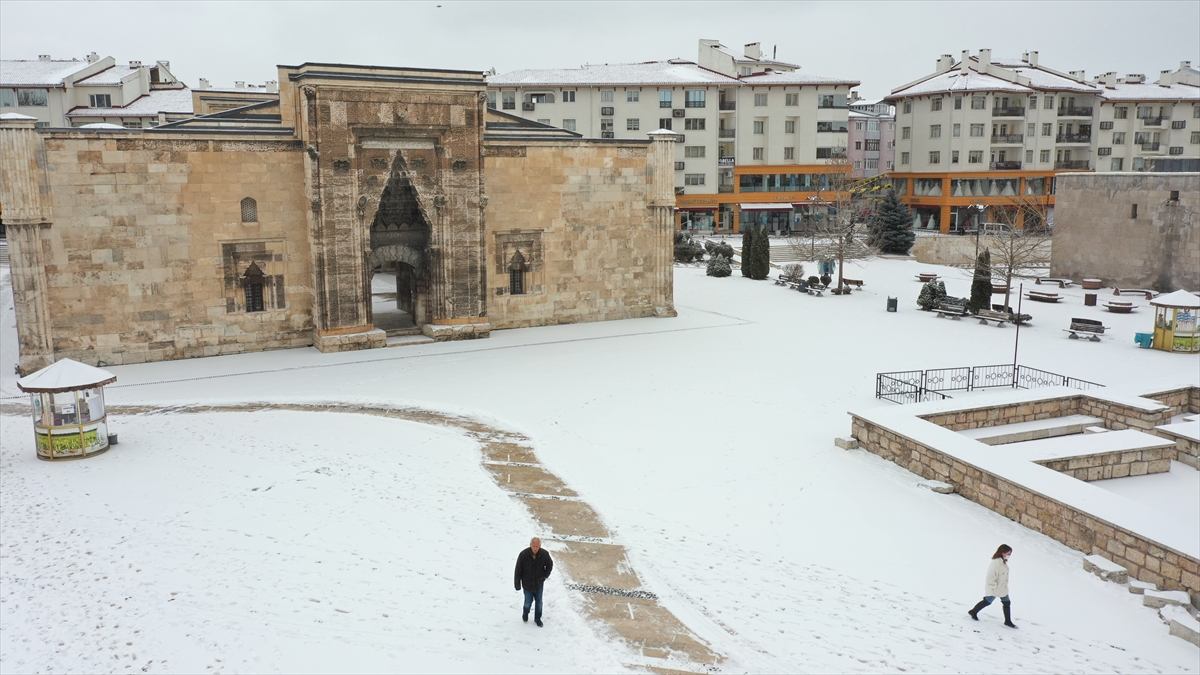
1175 325
69 420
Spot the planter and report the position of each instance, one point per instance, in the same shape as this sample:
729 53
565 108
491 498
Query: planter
1092 284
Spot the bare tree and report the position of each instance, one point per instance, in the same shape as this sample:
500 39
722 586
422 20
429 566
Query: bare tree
838 232
1022 246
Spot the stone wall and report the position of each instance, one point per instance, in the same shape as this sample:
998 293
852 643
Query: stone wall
1182 400
993 416
591 248
954 249
145 256
1096 235
1115 464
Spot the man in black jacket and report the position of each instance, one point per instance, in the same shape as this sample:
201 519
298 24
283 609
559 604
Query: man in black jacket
533 568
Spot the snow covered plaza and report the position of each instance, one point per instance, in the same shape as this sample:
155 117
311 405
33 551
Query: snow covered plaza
292 511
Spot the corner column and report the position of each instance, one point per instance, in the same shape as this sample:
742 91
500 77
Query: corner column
662 220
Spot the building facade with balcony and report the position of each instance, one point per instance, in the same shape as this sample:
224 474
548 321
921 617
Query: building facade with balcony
871 147
1149 125
755 136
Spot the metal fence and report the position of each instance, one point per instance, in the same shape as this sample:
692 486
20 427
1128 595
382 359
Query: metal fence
914 386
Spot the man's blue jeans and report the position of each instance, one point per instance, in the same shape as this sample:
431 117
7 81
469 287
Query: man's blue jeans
530 597
989 599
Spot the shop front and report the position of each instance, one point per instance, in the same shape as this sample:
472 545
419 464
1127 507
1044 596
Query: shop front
773 218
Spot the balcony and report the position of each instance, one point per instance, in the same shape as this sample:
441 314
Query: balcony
724 189
1150 147
1005 166
664 104
1073 138
607 134
694 104
727 105
1008 112
1008 139
1073 111
726 133
1152 121
1071 165
725 162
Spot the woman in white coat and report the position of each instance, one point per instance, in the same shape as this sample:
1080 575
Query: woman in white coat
996 585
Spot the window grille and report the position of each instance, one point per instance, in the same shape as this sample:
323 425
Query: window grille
249 210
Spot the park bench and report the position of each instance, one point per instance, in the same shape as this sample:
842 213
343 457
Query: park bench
1000 318
1041 296
1000 289
853 282
1119 307
1144 291
1062 283
1013 318
924 277
1089 328
947 309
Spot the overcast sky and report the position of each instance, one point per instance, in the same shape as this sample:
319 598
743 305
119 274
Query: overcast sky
881 44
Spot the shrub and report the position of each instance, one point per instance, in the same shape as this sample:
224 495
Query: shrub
720 248
792 272
747 245
981 284
932 294
718 266
686 249
760 256
814 280
891 227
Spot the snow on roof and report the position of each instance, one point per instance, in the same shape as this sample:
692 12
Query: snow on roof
16 116
108 77
960 81
672 72
1041 79
148 105
777 77
102 125
1149 91
37 73
1179 298
65 375
742 58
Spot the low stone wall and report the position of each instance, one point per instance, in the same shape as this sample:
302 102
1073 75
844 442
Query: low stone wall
1145 560
1118 416
1182 400
1115 464
994 416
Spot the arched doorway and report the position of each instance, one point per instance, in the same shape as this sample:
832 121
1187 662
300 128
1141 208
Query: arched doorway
397 265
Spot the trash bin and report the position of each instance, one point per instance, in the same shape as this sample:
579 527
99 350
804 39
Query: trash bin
891 304
1143 340
1089 299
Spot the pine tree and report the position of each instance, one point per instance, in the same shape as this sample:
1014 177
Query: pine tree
932 293
760 253
981 284
718 266
747 243
891 229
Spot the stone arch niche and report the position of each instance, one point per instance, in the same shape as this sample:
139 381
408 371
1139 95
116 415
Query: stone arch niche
400 228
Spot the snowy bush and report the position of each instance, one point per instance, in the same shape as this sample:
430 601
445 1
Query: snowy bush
718 266
792 272
686 249
720 248
932 294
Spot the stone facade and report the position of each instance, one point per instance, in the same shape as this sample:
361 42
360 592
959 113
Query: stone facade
1098 234
260 229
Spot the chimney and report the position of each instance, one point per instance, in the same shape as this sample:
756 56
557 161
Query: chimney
1033 59
1185 65
203 84
1078 75
1135 78
93 57
945 62
1164 78
966 58
272 87
43 57
240 84
134 65
753 50
985 59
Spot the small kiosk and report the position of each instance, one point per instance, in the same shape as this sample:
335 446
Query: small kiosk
1175 325
69 420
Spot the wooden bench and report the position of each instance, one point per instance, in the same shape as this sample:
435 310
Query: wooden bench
1089 328
1000 318
1144 291
1062 283
1041 296
953 311
1119 307
1000 289
927 277
853 282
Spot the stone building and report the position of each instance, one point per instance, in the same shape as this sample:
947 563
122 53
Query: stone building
260 227
1132 230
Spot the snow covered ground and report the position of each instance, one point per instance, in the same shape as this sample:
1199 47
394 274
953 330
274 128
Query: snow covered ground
704 441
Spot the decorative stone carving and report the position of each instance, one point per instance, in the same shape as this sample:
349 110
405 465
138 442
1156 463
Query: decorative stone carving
310 92
460 165
341 165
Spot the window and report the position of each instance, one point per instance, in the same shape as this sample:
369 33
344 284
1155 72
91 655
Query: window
694 124
131 124
664 99
693 151
935 104
905 133
956 130
789 126
954 157
491 100
568 96
252 283
569 125
1139 164
872 125
977 130
606 95
872 164
664 123
508 100
541 98
1103 152
791 99
857 164
633 124
1145 111
872 145
978 103
789 153
516 281
1032 102
632 95
1049 103
1133 210
606 125
1176 150
1028 156
1174 196
760 100
1118 138
608 111
904 158
744 70
1044 156
1118 164
1120 113
694 99
1104 126
935 131
958 103
824 153
100 101
935 157
1141 137
858 145
1195 140
907 107
693 179
544 121
1047 129
1031 129
31 97
1196 112
758 153
1179 124
8 98
760 126
975 157
249 210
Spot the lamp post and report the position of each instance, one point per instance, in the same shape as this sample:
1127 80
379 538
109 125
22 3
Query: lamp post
978 210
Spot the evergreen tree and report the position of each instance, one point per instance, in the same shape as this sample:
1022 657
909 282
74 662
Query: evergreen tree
981 284
932 293
760 253
718 266
891 228
747 242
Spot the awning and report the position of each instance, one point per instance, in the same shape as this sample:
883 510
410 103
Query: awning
766 207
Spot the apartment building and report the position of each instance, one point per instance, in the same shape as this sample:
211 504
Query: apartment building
1149 125
872 138
983 134
755 135
96 90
